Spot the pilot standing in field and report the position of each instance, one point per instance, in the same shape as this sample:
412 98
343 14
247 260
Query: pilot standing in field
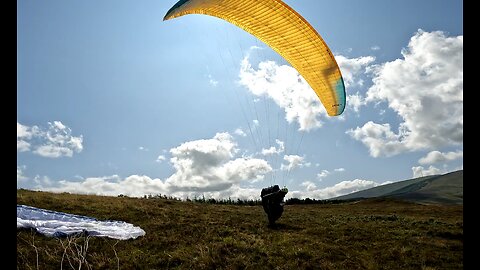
272 201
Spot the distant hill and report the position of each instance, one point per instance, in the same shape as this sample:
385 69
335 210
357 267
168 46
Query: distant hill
446 188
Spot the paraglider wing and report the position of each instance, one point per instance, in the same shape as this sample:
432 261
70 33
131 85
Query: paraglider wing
285 31
59 224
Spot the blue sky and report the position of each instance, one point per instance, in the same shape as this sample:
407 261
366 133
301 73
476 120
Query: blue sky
113 100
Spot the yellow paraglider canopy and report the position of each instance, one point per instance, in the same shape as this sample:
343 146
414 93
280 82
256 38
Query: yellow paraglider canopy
285 31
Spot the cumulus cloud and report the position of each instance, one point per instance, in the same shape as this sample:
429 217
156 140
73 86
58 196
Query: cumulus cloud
293 162
207 167
24 134
22 145
140 185
309 186
160 158
274 150
352 67
286 88
420 171
54 141
107 185
210 165
380 139
375 48
437 157
356 101
425 89
342 188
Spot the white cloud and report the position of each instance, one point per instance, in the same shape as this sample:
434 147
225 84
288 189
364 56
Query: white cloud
352 67
375 48
325 173
355 101
20 175
53 142
342 188
160 158
202 167
59 125
287 89
293 162
53 151
274 150
309 186
25 133
141 148
437 157
112 186
380 139
140 185
210 165
240 132
269 151
425 89
420 171
42 181
22 146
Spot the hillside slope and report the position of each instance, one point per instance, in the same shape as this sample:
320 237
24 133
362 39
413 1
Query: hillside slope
446 188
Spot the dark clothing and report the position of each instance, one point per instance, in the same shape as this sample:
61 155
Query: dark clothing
272 201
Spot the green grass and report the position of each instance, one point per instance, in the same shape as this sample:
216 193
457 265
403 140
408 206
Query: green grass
371 234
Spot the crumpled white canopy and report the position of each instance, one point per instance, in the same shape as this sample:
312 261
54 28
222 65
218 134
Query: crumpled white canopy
58 224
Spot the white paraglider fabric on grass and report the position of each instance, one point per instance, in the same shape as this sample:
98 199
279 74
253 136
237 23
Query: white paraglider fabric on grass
58 224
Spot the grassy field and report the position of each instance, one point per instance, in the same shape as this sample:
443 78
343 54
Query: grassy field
372 234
